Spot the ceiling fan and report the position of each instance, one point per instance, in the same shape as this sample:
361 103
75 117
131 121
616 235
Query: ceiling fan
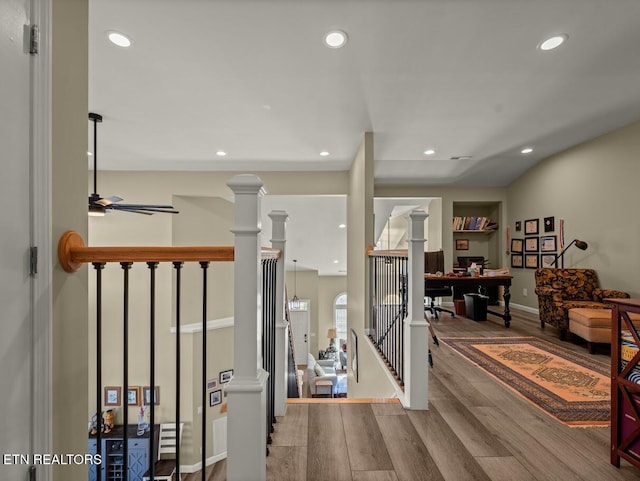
99 206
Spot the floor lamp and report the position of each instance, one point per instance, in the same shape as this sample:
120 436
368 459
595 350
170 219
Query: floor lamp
582 245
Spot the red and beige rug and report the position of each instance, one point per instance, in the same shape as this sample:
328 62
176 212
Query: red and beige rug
573 388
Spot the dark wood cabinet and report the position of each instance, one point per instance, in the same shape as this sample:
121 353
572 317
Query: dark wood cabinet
625 382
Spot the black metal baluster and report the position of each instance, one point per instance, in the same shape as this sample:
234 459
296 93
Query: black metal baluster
178 267
126 266
99 266
204 266
152 365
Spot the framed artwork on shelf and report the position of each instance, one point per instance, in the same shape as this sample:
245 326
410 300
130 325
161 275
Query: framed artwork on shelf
462 244
531 244
225 376
516 246
549 224
548 243
531 227
112 395
546 260
516 260
531 261
215 397
518 226
146 398
133 396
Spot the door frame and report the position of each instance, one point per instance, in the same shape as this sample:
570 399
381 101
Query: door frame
41 201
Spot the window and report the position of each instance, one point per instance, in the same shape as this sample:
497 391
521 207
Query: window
340 316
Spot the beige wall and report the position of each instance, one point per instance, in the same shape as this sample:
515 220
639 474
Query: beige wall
592 187
69 147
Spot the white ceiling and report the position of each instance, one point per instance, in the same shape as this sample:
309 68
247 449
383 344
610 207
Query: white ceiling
253 78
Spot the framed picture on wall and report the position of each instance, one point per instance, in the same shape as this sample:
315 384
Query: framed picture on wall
225 376
531 261
531 244
133 396
112 395
518 226
547 260
215 397
462 244
516 245
354 354
548 243
146 398
549 224
516 260
531 227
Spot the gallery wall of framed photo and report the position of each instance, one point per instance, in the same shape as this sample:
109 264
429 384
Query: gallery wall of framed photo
535 243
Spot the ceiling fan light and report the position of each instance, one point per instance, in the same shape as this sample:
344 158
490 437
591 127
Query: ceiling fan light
96 211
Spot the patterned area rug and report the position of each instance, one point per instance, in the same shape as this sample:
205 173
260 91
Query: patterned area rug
573 388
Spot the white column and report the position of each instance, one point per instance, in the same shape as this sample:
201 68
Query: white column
246 416
278 241
416 360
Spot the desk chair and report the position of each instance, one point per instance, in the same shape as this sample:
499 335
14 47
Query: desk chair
433 263
168 443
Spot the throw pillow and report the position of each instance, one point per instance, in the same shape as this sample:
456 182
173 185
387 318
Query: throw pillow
319 370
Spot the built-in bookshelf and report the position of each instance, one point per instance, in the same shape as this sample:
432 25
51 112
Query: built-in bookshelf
474 224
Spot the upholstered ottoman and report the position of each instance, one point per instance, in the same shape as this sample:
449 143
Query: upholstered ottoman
594 325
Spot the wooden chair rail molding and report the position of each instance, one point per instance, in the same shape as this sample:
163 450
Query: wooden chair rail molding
72 253
371 252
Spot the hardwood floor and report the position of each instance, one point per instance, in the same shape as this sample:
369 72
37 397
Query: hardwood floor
475 429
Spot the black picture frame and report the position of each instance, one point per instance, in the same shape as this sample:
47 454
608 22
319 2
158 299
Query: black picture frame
548 243
517 260
531 261
546 260
354 354
462 244
518 226
531 227
549 224
225 376
516 246
532 244
215 397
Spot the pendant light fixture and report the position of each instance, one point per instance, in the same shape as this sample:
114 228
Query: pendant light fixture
294 304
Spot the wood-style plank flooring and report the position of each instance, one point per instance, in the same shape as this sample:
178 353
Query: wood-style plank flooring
475 429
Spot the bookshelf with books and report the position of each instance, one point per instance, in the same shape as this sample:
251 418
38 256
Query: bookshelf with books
473 224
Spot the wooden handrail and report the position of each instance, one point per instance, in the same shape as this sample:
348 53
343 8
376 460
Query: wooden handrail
371 252
72 253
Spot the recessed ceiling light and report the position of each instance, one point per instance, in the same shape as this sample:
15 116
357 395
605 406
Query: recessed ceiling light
553 42
526 150
119 39
342 226
429 152
335 39
221 153
324 153
89 153
336 262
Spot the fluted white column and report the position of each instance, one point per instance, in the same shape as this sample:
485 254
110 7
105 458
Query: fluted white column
416 346
246 415
278 241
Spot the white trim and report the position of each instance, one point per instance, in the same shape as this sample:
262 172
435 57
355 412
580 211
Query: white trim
192 468
40 13
398 393
211 325
531 310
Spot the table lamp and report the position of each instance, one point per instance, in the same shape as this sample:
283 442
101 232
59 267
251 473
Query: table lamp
332 334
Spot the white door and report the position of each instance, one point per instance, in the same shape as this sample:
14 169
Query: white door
300 329
18 400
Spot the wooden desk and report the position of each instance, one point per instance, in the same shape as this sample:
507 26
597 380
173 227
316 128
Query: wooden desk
461 285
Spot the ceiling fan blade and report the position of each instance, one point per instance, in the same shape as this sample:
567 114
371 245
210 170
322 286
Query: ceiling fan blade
108 200
140 208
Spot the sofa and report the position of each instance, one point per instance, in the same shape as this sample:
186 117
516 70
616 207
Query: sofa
559 290
321 370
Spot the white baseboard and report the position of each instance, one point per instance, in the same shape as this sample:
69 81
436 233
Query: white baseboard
187 469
